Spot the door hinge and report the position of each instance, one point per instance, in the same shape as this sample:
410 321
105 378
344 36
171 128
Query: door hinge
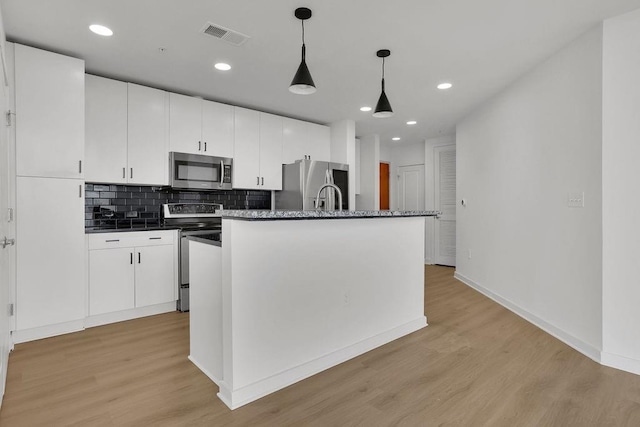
10 309
8 117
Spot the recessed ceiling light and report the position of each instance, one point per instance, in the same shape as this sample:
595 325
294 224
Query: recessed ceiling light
365 109
101 30
396 138
222 66
411 122
443 86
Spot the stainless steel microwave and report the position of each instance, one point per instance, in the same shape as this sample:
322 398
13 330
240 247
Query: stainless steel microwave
198 172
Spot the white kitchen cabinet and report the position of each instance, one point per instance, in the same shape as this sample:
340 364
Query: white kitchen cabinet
154 275
257 162
50 244
304 140
111 282
147 130
198 126
130 270
357 167
106 130
49 98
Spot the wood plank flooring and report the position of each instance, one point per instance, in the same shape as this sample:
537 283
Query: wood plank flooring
476 364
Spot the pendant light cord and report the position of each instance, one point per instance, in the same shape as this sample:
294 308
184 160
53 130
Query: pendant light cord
304 48
383 74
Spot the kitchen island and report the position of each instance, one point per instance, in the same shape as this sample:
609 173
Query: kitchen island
291 293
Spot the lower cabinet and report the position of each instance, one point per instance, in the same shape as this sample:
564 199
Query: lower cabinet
130 270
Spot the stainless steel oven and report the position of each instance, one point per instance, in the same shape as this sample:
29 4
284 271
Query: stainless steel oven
198 172
192 219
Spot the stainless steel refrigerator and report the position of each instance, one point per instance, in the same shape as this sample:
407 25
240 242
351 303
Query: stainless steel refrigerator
302 180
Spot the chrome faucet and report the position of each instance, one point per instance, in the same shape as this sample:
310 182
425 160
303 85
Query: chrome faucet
335 187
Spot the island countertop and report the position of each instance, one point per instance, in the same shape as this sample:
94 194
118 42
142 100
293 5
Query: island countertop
266 215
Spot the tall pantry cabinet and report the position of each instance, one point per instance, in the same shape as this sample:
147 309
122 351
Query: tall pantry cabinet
49 121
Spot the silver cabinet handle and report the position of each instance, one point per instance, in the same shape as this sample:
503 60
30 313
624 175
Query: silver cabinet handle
124 173
80 191
205 146
257 180
155 238
131 258
263 180
113 240
199 145
7 242
131 173
79 166
138 257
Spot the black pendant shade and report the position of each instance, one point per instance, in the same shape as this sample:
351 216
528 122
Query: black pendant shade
383 107
302 82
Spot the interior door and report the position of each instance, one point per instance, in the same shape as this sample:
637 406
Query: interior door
411 188
384 186
7 231
445 202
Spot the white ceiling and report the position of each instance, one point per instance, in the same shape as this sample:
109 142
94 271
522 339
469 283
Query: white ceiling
479 46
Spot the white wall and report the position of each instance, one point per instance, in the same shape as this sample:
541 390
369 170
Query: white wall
621 204
518 157
369 197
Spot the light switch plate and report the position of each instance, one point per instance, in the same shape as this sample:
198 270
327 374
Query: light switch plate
575 200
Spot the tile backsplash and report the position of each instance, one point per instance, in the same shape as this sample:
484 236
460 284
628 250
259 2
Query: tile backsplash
125 206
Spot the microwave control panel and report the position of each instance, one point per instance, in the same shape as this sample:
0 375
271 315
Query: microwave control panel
226 176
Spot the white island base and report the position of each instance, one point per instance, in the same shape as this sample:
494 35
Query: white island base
284 299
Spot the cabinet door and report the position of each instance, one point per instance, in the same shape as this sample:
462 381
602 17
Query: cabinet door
270 152
217 129
319 142
49 92
106 130
148 123
111 280
246 156
154 275
295 142
50 251
185 124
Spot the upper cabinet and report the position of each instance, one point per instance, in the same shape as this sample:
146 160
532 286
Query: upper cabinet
198 126
106 130
304 140
49 100
126 133
148 135
257 162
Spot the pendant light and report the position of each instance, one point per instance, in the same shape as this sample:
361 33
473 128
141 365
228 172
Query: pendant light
383 108
302 83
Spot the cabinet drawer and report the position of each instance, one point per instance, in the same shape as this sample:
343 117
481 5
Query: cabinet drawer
130 239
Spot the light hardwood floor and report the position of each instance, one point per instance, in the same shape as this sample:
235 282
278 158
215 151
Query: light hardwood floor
476 364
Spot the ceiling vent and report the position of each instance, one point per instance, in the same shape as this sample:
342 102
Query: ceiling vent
219 32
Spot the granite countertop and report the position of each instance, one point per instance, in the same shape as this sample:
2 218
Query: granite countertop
264 215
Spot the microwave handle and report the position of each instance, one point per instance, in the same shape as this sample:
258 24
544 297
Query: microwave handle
221 173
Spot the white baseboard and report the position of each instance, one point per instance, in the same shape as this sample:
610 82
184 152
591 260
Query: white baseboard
576 343
33 334
134 313
237 398
620 362
212 377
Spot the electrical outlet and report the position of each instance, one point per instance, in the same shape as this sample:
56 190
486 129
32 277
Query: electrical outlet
575 200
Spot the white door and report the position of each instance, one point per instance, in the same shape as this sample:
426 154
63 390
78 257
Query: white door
147 130
154 272
217 129
445 202
49 91
411 188
270 152
246 156
185 124
50 243
7 230
111 280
